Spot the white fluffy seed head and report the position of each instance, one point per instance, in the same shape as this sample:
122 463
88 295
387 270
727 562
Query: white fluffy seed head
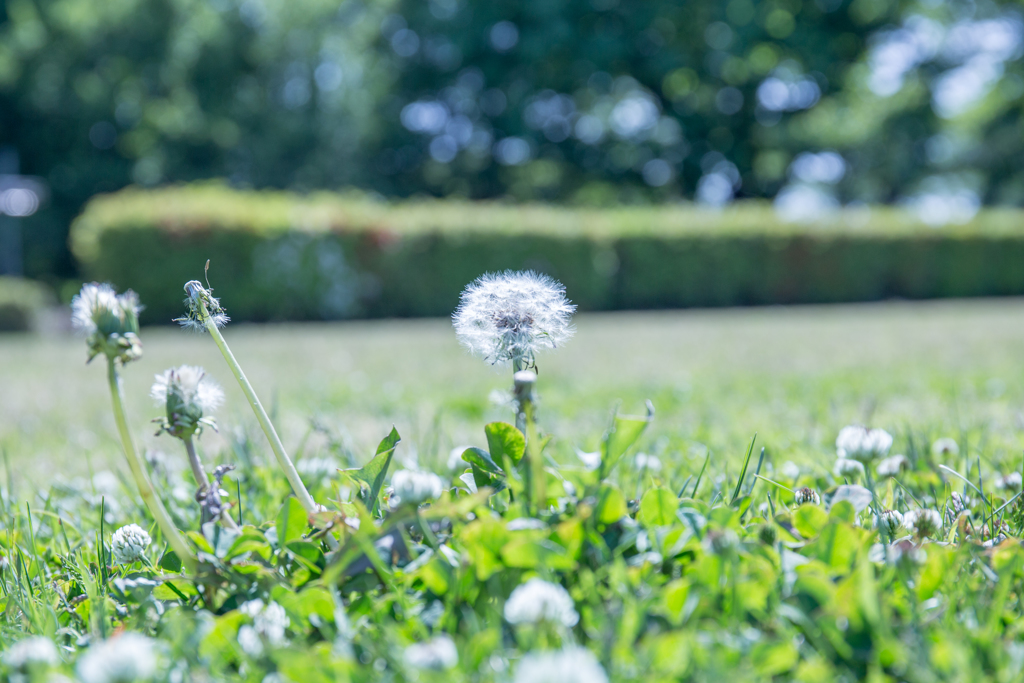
860 443
128 658
412 487
129 543
188 397
508 317
34 652
538 600
110 321
569 665
198 297
945 448
437 654
923 522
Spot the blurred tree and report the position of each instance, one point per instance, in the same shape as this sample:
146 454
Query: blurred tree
809 102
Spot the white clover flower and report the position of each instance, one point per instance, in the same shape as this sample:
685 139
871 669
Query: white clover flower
890 520
893 465
249 640
1011 482
109 320
649 462
437 654
807 495
958 503
923 522
538 600
31 652
790 470
569 665
317 468
269 623
845 467
412 487
863 444
945 448
129 543
128 658
508 317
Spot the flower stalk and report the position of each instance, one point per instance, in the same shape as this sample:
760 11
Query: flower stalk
149 497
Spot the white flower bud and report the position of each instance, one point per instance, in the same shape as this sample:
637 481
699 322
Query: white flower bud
845 467
890 521
129 543
538 600
129 657
807 495
893 465
569 665
33 652
862 444
923 522
413 487
437 654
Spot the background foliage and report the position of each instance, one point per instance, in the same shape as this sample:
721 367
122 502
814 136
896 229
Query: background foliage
588 102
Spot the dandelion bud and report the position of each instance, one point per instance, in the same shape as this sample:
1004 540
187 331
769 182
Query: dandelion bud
188 396
198 297
923 522
129 543
437 654
109 320
890 521
891 466
413 488
860 443
538 600
807 495
945 448
508 317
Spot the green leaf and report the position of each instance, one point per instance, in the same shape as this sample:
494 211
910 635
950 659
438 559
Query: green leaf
372 474
624 433
843 511
483 460
170 561
774 658
809 520
291 522
837 545
308 554
611 504
658 507
506 443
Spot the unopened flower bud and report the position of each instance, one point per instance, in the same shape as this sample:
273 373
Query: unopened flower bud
807 495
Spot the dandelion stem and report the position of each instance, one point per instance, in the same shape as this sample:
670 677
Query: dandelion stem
149 497
197 466
261 415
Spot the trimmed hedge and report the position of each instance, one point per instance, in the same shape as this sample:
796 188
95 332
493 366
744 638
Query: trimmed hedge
281 256
21 301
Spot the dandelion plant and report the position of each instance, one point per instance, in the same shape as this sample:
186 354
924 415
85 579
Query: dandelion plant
111 325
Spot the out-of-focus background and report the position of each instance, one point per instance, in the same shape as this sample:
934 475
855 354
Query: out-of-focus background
362 159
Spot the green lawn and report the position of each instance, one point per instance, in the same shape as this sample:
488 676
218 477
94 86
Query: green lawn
793 375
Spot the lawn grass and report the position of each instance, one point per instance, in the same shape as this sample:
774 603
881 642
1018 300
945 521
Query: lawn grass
794 376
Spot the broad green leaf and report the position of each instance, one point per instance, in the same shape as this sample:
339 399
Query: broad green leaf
200 541
372 474
837 545
774 658
482 459
308 554
291 522
170 561
809 520
611 504
843 511
658 507
524 552
506 443
624 433
674 595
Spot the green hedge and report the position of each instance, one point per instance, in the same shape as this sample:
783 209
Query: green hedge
281 256
21 301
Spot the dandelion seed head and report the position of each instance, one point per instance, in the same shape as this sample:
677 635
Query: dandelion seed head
569 665
414 487
437 654
923 522
198 296
860 443
188 396
945 448
128 658
807 495
508 317
129 543
109 320
538 600
31 653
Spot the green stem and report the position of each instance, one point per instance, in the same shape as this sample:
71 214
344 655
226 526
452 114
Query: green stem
261 415
149 497
197 466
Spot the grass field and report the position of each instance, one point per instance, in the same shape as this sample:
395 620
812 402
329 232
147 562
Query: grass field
793 375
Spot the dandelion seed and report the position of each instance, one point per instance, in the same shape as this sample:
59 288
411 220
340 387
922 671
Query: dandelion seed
890 521
34 652
1011 482
128 658
508 317
411 487
893 465
129 543
538 600
188 396
110 321
197 296
945 448
923 522
437 654
569 665
846 467
860 443
807 495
